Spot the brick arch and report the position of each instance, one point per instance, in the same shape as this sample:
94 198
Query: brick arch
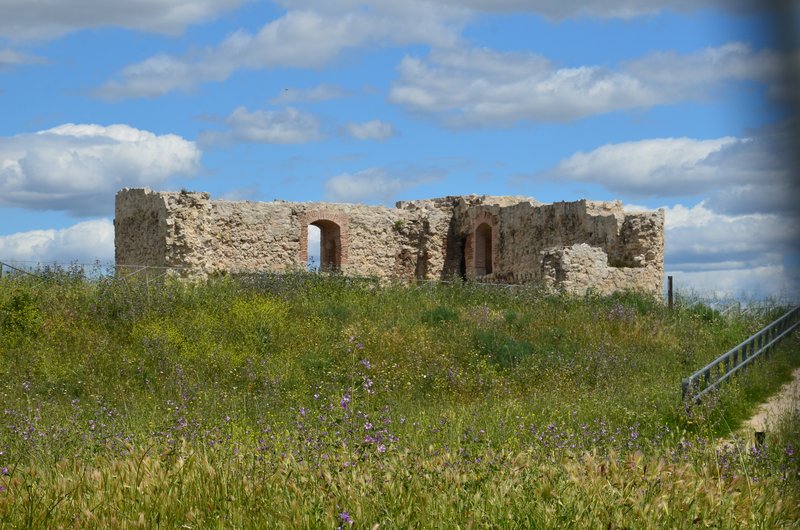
481 249
334 236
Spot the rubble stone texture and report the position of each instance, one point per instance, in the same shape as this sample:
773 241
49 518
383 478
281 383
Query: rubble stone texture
575 246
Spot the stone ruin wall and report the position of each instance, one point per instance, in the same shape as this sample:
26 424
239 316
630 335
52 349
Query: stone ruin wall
569 245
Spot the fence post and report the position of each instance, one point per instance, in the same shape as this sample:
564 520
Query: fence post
744 354
669 292
684 388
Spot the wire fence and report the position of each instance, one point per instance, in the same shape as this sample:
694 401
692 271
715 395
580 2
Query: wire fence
55 271
13 268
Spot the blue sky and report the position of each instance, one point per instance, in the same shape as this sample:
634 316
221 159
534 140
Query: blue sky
688 105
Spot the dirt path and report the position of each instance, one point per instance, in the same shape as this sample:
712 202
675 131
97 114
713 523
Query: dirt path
778 406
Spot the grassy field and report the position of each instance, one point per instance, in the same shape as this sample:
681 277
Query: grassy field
306 401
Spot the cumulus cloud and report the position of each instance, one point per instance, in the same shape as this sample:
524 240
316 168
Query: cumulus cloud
78 168
754 174
482 87
23 19
288 126
322 92
660 167
370 130
301 38
84 242
699 235
375 184
730 255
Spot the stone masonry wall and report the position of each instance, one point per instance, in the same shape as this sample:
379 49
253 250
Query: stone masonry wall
140 228
570 245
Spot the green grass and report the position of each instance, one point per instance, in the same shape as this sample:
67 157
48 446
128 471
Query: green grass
296 399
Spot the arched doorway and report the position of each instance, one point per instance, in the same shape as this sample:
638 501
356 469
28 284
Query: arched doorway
483 250
329 249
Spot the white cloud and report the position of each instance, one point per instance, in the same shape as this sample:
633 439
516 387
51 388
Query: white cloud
700 235
561 9
302 38
26 19
744 284
373 185
662 166
289 126
247 193
370 130
78 168
680 216
84 242
738 175
9 57
730 255
482 87
322 92
558 9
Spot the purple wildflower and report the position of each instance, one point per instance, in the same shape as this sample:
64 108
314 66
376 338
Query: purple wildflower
789 450
345 401
368 385
366 364
4 471
345 517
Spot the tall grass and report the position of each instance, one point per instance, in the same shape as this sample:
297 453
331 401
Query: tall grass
317 401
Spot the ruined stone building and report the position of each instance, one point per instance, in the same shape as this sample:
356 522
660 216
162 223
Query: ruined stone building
570 245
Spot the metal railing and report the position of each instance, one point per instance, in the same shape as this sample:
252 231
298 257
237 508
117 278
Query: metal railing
709 377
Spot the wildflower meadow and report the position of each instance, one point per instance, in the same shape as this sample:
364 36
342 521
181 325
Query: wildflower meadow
320 401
